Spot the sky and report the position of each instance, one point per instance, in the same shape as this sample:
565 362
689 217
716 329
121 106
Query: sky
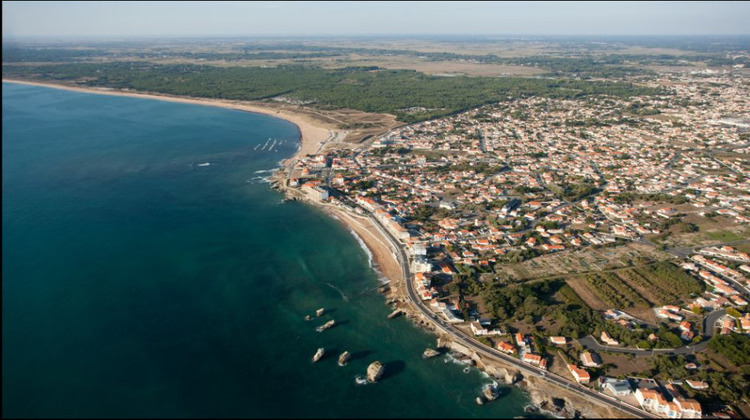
319 18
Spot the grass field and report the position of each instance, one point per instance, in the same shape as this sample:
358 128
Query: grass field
583 261
724 236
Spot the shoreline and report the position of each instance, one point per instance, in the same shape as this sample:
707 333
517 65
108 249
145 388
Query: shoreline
313 133
538 392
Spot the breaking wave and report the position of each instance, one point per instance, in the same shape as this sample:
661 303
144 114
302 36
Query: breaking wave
364 247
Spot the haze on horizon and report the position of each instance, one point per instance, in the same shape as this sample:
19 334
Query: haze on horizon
193 19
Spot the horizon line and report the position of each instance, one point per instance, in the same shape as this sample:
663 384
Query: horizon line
405 35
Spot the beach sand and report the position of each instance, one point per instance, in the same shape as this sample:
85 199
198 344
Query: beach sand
382 253
313 132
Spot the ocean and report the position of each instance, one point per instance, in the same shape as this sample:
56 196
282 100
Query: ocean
140 282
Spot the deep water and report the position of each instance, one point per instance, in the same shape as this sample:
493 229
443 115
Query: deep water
138 282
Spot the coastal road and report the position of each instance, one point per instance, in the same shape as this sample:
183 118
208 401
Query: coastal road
491 353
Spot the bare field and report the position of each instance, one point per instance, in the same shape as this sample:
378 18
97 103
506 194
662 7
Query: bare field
359 125
392 62
625 365
582 261
711 231
441 67
503 47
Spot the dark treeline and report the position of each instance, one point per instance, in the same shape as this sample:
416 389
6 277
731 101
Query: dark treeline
365 89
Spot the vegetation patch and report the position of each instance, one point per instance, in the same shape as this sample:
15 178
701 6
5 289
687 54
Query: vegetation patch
614 291
364 89
663 281
724 236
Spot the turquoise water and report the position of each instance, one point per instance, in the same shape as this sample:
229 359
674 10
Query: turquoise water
137 283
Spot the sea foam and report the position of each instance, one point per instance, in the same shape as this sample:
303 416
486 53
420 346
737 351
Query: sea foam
364 247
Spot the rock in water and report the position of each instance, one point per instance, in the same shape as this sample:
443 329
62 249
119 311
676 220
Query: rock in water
320 312
318 354
429 353
308 317
344 358
480 400
491 393
375 371
326 326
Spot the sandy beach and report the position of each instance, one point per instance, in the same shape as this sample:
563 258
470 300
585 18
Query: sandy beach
313 132
382 253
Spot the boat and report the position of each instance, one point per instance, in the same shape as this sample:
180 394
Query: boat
344 358
204 164
318 354
320 312
326 326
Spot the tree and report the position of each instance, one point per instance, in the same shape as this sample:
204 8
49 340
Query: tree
733 313
672 339
688 227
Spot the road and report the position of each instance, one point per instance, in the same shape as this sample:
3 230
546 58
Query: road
684 251
708 323
491 353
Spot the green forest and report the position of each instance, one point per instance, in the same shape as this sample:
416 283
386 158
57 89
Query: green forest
410 95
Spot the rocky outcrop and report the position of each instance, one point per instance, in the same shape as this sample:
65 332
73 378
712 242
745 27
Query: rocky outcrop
318 354
491 392
428 353
394 314
320 312
344 358
443 343
565 404
512 377
326 326
375 371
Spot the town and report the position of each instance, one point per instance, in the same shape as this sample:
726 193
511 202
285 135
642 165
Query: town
602 239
